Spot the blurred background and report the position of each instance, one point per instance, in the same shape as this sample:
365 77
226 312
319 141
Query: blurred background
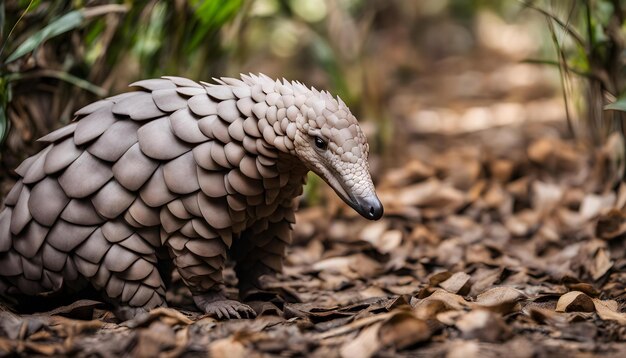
405 68
409 70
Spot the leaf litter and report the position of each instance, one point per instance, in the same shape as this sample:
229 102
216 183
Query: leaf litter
514 250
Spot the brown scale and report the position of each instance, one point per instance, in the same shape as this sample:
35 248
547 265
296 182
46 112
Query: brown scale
202 171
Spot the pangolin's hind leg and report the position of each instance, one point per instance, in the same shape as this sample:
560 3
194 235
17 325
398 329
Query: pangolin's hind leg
260 251
200 262
121 261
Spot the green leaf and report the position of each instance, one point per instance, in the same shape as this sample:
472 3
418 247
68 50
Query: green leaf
4 123
619 105
61 25
216 13
5 98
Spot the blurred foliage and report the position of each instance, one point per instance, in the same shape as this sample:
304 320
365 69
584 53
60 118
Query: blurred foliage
61 55
590 41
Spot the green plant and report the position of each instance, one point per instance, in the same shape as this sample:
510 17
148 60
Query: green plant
590 39
56 56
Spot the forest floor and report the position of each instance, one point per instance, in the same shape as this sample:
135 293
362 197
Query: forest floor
506 247
501 237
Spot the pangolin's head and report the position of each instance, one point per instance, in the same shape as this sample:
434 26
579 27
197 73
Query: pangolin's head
331 143
321 132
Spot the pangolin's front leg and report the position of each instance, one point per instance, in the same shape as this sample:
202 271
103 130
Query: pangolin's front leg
199 254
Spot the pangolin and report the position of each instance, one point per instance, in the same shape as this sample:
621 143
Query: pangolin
182 172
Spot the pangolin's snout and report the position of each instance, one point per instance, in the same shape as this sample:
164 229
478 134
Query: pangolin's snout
370 207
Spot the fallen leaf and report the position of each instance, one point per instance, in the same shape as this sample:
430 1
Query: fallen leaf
464 349
403 330
500 299
602 264
450 300
545 196
607 310
366 344
575 301
457 283
228 348
593 205
483 325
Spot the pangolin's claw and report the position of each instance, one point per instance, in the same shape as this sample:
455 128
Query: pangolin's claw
216 304
228 309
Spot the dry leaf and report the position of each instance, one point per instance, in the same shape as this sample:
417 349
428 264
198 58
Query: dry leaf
403 330
365 345
450 300
545 196
483 325
607 310
594 205
500 299
457 283
575 301
228 348
601 265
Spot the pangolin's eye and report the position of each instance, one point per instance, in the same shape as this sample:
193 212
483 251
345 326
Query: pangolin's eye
320 143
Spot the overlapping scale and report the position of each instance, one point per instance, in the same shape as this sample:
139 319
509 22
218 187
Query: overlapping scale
155 192
134 168
61 156
220 93
168 100
191 205
52 258
138 107
137 244
84 176
143 214
58 134
81 212
115 141
21 215
157 140
180 174
5 229
185 126
47 200
14 194
36 171
206 247
212 182
169 221
202 105
112 200
116 230
213 212
154 84
94 248
182 82
30 241
93 125
65 236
